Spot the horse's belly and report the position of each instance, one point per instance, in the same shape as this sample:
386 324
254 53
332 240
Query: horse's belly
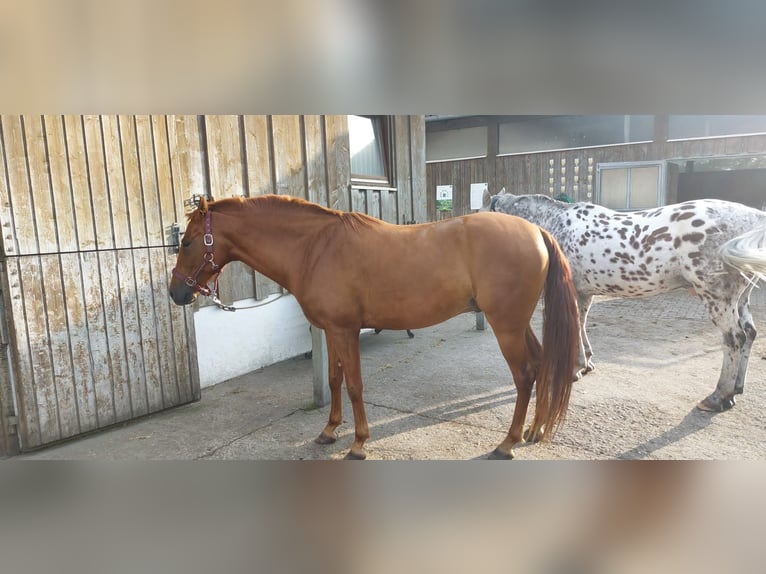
627 290
416 313
625 284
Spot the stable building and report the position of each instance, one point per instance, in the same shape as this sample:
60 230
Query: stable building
622 162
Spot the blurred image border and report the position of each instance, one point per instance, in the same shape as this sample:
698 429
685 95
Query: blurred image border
425 57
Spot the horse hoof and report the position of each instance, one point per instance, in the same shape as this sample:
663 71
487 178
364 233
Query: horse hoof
358 455
581 372
533 438
712 406
498 454
704 406
325 438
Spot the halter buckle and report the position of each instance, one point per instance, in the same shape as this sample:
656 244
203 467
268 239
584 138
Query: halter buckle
190 282
207 239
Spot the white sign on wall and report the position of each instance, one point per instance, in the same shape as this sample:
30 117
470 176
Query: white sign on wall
477 194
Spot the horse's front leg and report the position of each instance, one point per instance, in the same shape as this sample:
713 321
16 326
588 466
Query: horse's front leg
346 345
335 372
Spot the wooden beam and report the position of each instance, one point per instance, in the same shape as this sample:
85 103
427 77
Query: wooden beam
320 365
418 153
661 126
493 143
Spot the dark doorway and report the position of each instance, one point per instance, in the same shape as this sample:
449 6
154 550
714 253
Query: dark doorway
734 179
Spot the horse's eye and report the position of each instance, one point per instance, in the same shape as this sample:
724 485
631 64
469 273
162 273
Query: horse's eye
186 243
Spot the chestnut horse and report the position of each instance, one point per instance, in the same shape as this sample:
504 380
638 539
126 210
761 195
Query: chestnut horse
350 271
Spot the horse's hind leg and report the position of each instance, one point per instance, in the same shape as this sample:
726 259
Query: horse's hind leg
725 315
335 372
584 362
522 353
748 325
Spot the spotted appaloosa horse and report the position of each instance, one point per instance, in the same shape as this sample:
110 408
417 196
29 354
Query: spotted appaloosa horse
717 248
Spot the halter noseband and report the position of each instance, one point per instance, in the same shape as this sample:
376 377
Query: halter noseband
207 258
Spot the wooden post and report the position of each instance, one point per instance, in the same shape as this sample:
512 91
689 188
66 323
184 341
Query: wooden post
661 128
493 143
480 323
319 361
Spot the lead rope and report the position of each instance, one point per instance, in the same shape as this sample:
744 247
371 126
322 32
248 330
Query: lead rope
224 307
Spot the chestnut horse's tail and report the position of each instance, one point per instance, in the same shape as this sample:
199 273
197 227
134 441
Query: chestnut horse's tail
561 332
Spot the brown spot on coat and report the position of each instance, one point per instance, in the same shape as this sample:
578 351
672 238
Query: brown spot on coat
695 237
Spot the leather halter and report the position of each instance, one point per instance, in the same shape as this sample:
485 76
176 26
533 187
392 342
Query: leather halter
207 259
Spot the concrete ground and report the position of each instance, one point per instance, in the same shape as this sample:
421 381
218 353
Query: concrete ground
447 394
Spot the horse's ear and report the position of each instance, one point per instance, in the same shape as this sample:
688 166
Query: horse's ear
202 205
502 192
486 199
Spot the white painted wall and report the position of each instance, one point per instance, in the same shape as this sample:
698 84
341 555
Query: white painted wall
232 344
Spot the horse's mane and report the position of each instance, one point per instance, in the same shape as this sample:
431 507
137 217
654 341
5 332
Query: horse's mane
284 202
539 197
544 198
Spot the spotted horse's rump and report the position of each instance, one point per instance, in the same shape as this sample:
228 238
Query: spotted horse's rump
717 248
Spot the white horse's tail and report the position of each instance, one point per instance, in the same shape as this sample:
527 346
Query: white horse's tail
747 253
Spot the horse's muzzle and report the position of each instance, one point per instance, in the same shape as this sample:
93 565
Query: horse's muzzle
182 294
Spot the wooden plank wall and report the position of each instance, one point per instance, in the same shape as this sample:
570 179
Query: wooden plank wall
84 206
530 173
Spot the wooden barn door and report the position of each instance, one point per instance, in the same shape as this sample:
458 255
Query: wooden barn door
7 410
92 338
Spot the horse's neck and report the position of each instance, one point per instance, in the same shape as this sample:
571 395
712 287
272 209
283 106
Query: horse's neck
275 244
545 215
